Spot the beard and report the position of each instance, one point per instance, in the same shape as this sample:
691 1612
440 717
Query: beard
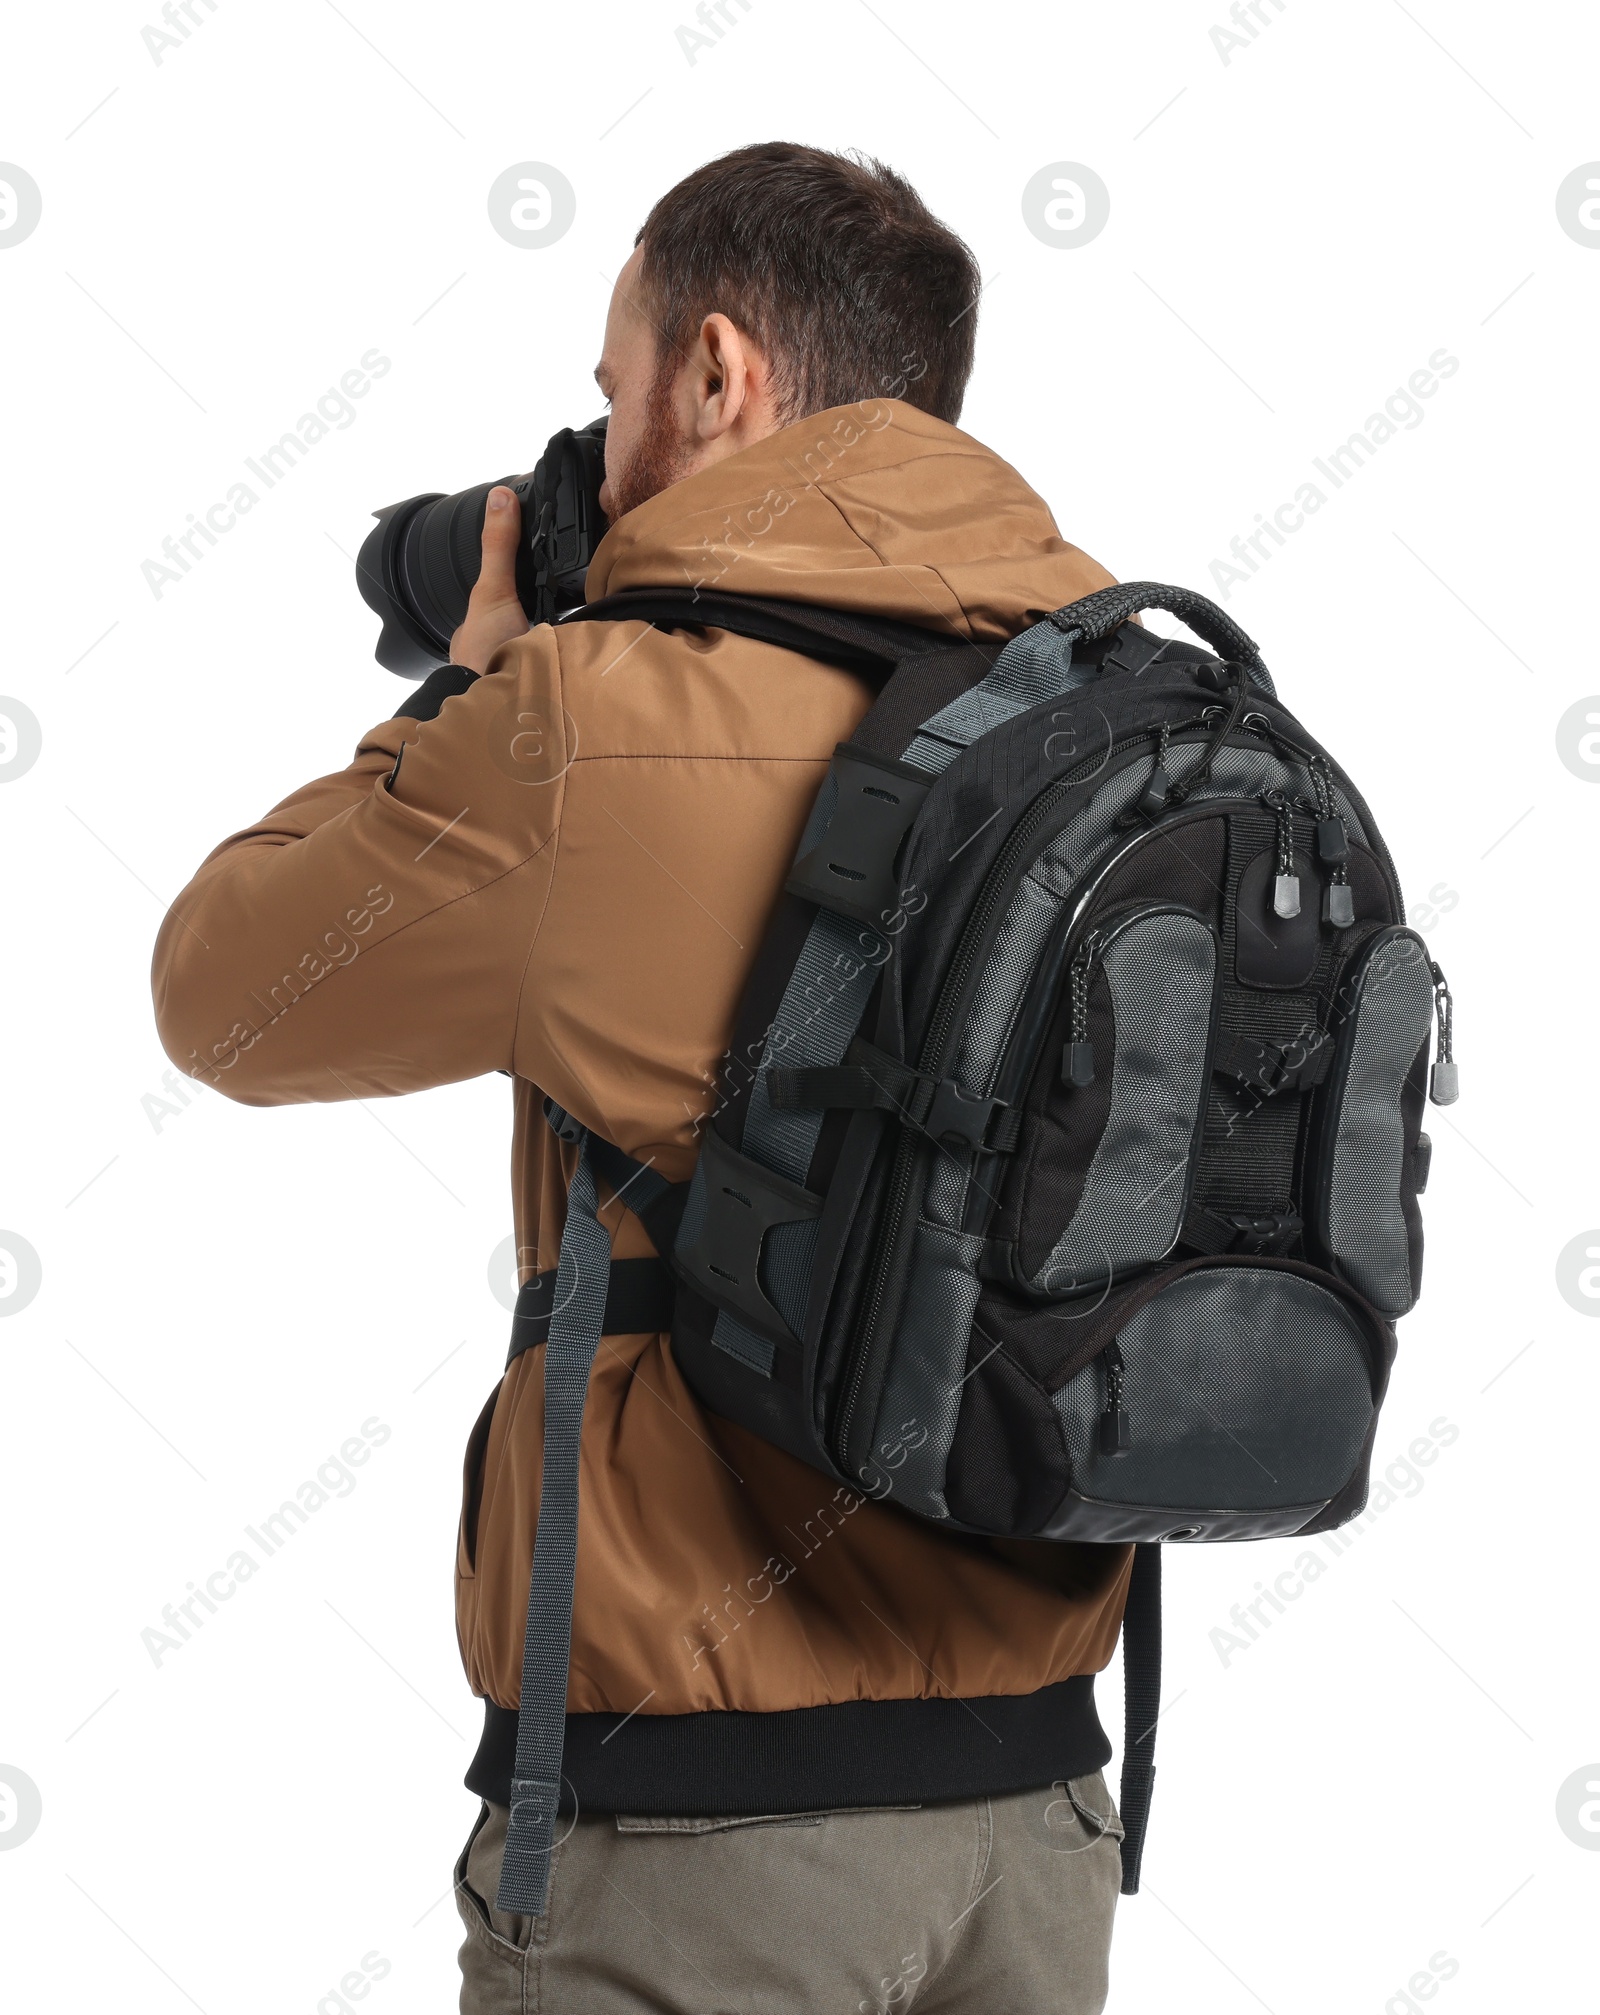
661 457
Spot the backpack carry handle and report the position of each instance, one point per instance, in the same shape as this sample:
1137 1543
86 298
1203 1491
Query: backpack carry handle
1097 615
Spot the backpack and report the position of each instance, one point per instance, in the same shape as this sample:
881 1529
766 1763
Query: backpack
1062 1181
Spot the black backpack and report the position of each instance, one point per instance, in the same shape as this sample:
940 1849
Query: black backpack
1063 1175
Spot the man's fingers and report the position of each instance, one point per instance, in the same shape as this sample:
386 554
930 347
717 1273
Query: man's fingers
502 523
494 612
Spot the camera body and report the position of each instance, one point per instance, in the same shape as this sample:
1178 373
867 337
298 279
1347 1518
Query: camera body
418 564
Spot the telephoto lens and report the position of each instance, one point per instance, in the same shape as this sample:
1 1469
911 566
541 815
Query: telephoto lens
417 565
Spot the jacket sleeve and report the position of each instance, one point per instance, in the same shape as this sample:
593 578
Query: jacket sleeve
370 935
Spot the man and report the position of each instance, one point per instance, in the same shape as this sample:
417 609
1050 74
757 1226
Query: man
821 1755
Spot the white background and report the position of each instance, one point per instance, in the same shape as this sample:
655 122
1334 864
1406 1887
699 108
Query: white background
228 1294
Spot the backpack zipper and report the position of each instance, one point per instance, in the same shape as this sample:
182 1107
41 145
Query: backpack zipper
1078 1063
1116 1437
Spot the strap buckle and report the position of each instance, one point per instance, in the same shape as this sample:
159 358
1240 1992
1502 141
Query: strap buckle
562 1124
1262 1234
964 1119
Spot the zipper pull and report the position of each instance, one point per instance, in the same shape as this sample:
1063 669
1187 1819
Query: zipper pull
1333 842
1333 850
1333 847
1116 1437
1077 1058
1444 1084
1286 888
1153 799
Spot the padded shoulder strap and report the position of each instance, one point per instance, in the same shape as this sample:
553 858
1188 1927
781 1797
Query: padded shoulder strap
869 645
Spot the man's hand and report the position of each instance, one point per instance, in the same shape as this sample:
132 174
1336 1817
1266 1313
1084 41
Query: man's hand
494 615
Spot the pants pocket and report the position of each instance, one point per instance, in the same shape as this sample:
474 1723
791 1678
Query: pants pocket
725 1822
496 1932
1073 1814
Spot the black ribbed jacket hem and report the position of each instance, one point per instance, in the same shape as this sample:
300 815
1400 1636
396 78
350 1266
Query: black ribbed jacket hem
861 1752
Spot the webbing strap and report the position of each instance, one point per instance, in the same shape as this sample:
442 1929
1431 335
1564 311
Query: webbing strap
640 1294
1035 666
575 1327
1141 1698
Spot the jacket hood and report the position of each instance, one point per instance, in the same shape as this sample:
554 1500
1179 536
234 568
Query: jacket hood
875 507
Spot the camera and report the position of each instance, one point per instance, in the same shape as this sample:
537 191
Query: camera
417 565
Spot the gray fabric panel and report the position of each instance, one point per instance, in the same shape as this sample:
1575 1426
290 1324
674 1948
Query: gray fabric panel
786 1268
928 1369
1244 1388
1161 973
580 1298
1365 1229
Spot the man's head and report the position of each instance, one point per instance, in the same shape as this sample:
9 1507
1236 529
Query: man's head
770 284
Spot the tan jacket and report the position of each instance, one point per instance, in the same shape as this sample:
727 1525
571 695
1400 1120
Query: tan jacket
566 879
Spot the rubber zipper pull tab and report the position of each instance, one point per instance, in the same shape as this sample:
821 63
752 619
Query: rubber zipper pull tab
1153 799
1333 850
1116 1437
1077 1058
1286 886
1444 1083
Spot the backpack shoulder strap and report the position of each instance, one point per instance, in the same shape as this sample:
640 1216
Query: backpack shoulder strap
871 645
913 671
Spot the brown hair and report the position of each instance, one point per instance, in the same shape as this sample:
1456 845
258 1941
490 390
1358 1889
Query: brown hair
832 263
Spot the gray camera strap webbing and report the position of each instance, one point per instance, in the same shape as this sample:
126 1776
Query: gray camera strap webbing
1033 667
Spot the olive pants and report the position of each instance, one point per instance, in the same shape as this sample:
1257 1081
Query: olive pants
975 1908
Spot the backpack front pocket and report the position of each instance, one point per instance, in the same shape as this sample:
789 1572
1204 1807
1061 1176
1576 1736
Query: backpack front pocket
1116 1102
1235 1401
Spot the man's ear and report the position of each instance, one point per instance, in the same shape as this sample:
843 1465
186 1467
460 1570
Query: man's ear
730 378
